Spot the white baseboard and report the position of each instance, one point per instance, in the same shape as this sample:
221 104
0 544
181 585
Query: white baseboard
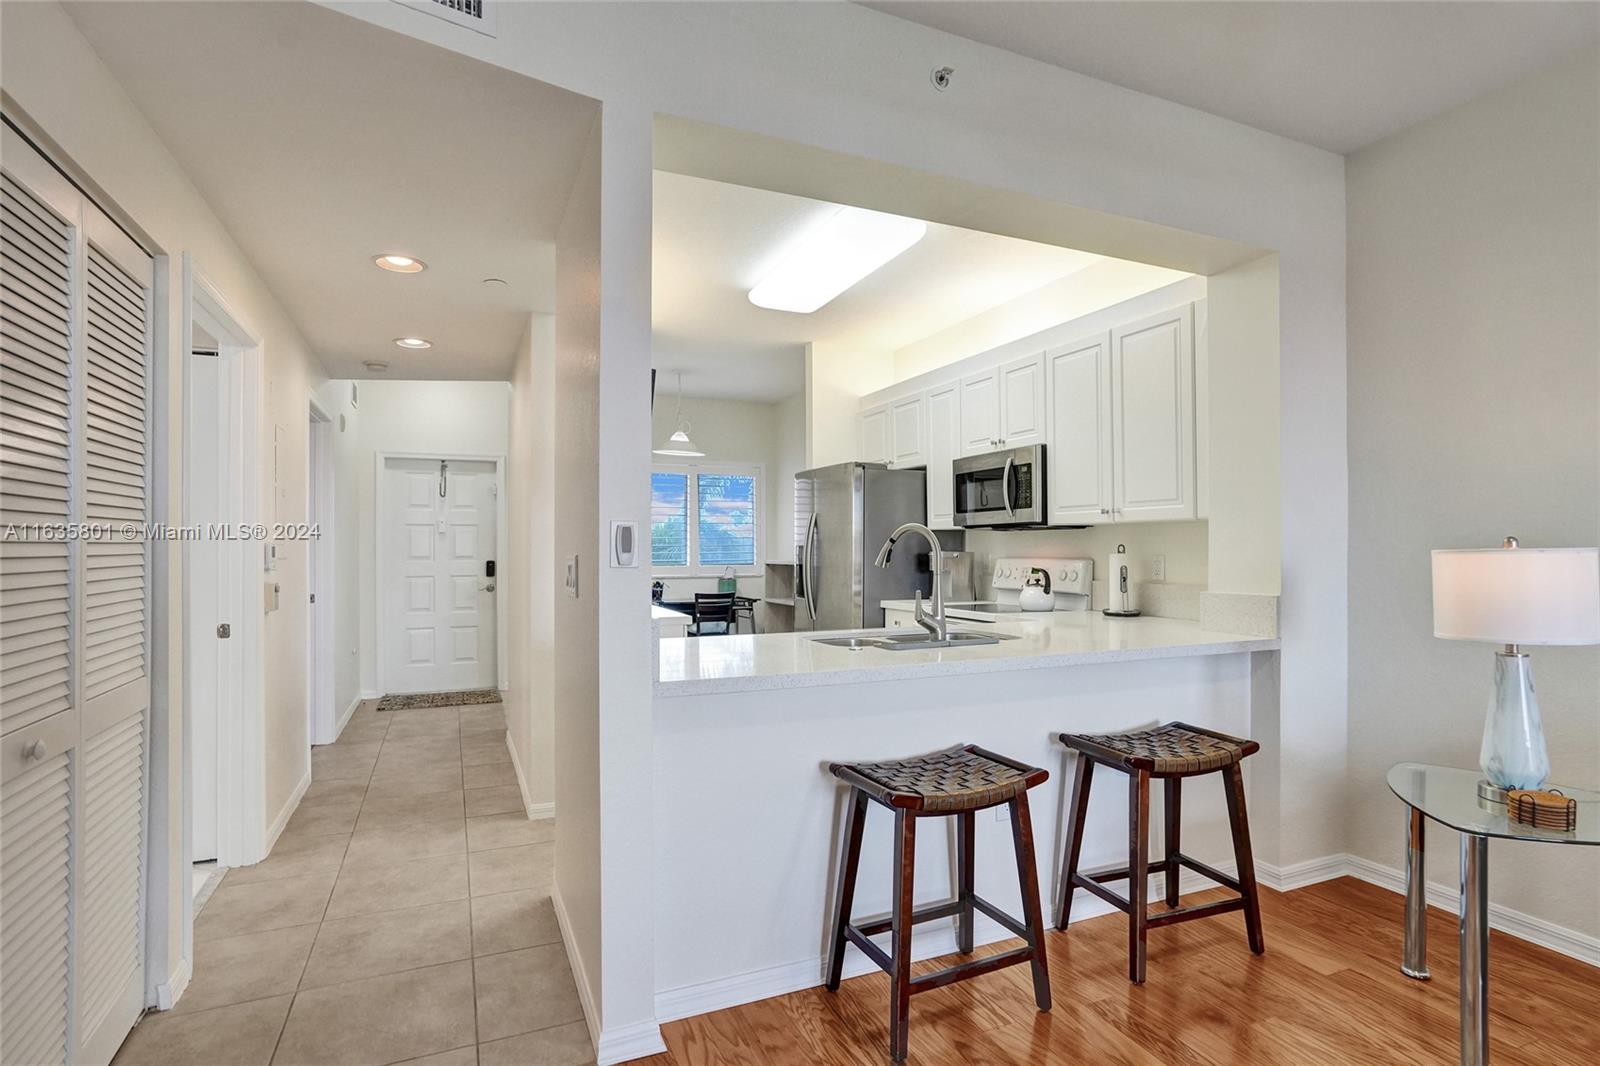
1546 934
619 1043
933 940
171 990
628 1042
346 715
1300 874
927 941
591 1012
286 813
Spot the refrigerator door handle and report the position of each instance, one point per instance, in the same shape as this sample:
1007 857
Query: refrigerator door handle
807 561
1005 486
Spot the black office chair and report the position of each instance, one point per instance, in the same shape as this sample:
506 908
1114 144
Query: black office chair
712 609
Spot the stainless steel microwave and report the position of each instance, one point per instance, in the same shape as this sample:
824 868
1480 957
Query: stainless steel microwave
1000 489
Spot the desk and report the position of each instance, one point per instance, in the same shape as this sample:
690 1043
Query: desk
1450 797
742 605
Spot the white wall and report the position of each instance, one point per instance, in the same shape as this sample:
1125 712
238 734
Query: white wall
739 431
421 417
1183 544
837 376
1240 439
528 579
1098 285
1474 377
1027 130
54 77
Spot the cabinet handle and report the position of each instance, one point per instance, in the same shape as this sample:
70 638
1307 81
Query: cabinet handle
34 752
1105 510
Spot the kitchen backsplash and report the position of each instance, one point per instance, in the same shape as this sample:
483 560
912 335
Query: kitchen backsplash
1183 544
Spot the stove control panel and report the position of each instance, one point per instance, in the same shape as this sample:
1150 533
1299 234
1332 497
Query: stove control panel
1074 576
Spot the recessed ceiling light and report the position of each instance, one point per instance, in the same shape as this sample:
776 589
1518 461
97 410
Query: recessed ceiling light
495 283
400 264
375 366
832 256
414 343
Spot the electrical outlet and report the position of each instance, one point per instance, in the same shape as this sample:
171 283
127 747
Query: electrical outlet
1158 568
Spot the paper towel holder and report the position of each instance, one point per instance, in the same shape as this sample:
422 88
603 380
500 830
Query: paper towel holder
1119 593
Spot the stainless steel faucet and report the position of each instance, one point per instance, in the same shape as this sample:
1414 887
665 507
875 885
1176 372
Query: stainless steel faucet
936 624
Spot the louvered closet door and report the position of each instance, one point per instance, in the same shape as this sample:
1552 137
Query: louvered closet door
75 620
38 718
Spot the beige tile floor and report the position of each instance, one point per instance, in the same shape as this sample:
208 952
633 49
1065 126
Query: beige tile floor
404 915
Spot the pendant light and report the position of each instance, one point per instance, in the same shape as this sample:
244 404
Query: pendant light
679 443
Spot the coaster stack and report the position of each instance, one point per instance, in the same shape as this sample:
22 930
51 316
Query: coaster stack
1541 809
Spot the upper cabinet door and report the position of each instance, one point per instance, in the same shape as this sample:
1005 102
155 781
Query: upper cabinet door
908 431
1079 377
980 412
1022 402
1152 397
872 434
944 447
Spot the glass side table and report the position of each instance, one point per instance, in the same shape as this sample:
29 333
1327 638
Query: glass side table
1454 798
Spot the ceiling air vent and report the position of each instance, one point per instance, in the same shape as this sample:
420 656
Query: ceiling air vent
473 14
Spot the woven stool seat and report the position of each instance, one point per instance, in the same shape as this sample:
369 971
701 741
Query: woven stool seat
963 778
1172 750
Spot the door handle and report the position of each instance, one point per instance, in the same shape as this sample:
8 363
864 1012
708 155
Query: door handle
489 587
807 560
1005 486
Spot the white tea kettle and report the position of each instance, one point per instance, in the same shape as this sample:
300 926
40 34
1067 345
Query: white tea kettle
1035 594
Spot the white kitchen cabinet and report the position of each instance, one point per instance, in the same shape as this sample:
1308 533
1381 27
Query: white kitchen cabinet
1022 402
872 434
1152 418
1004 406
943 403
1079 460
899 619
908 431
980 412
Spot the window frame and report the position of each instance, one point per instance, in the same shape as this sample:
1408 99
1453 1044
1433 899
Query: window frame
757 472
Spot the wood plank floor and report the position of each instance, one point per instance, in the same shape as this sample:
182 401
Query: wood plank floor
1328 991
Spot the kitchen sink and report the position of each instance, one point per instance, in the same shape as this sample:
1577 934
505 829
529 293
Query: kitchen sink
914 641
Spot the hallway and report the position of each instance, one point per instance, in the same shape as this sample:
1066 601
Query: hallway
404 915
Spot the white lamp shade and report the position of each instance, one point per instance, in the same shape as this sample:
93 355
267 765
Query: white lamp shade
1517 595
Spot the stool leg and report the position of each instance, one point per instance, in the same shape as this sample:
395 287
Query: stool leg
849 862
1173 812
1138 870
1243 857
964 880
905 834
1032 917
1077 806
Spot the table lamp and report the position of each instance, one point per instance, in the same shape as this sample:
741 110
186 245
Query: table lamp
1515 596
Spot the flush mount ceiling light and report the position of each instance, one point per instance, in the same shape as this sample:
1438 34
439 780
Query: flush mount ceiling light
416 344
400 264
834 255
375 366
679 443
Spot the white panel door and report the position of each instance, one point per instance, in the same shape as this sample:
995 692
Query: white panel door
75 298
439 616
1152 396
1022 402
980 412
908 431
872 435
944 447
1079 377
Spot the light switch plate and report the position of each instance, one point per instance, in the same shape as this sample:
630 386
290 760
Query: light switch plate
572 576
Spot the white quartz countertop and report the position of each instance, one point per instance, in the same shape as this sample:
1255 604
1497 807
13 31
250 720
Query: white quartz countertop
692 666
659 613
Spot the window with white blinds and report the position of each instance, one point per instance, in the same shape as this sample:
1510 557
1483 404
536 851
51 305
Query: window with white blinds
704 519
75 299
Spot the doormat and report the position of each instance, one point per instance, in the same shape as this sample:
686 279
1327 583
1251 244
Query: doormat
438 699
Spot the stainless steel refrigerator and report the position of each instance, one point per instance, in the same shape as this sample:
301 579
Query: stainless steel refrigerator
842 516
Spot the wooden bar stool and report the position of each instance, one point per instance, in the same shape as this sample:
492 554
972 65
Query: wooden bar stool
1169 752
954 782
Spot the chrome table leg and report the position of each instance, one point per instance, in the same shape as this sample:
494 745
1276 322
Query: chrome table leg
1415 962
1474 950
